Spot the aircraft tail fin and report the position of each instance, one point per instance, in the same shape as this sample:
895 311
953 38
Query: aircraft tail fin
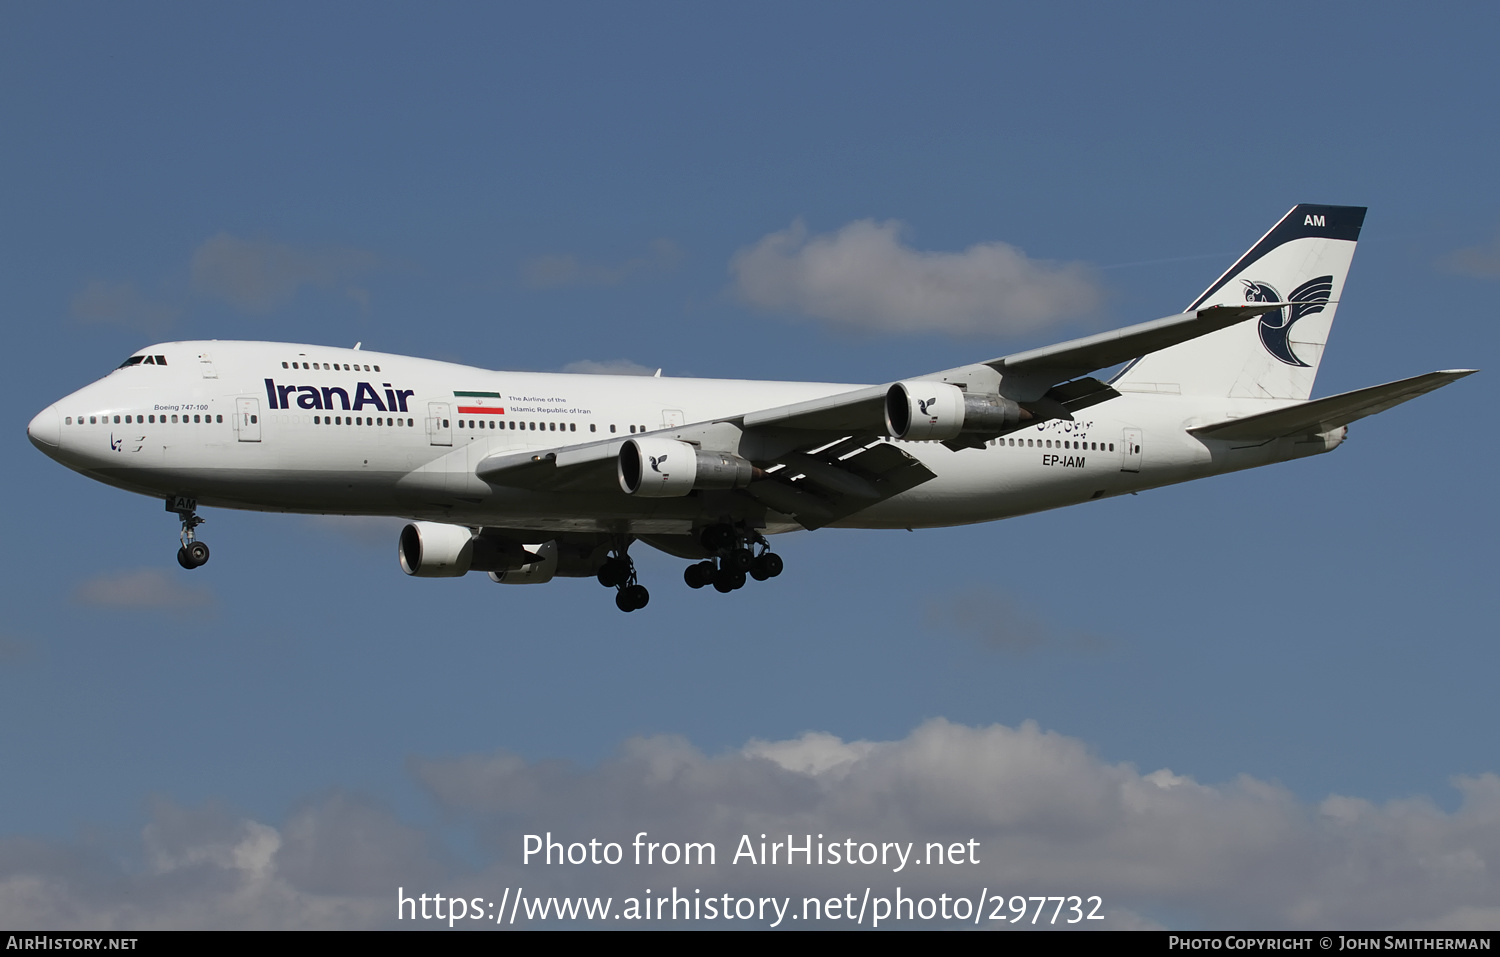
1303 261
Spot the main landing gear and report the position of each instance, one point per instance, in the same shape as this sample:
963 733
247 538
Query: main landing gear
193 553
738 553
618 572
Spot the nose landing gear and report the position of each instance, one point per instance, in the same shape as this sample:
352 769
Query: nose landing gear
193 553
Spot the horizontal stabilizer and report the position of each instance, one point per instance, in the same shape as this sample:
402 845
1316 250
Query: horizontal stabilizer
1325 415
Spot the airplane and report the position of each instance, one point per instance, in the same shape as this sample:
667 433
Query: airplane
531 476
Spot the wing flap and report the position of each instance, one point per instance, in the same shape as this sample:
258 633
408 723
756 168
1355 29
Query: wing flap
1325 415
816 490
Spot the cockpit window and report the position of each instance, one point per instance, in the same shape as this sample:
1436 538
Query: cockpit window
144 360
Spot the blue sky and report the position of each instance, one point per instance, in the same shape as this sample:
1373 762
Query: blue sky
527 187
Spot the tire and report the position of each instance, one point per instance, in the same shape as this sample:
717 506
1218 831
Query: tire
612 573
622 602
182 558
771 563
196 554
638 596
741 559
693 575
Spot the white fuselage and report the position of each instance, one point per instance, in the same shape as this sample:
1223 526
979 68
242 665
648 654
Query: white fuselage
299 428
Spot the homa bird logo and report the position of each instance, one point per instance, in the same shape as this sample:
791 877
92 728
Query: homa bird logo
656 461
924 403
1276 327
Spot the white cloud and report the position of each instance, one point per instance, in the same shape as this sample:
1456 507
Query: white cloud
1046 814
13 651
863 276
997 621
607 367
548 272
1481 262
257 276
375 530
144 588
122 303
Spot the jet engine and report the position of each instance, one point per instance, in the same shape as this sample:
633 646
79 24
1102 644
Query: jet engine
435 550
438 550
666 468
920 411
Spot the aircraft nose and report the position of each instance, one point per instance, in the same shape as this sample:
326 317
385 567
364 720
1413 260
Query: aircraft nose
45 431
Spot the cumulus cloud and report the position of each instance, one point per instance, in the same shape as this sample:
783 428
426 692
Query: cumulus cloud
14 651
998 621
549 272
144 588
256 276
123 304
864 276
374 530
1045 814
607 367
1481 262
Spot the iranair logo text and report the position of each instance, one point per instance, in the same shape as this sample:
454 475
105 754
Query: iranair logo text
365 396
1276 327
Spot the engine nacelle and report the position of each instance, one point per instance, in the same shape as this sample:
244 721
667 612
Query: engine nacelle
435 550
532 573
921 411
667 468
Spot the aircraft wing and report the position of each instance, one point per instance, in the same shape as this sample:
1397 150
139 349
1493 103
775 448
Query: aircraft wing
823 459
1025 376
1325 415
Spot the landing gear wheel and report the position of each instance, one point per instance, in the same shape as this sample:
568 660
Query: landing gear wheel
632 597
767 565
741 560
193 554
614 573
724 581
699 574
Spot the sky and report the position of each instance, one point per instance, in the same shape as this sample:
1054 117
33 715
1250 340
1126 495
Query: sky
1262 700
